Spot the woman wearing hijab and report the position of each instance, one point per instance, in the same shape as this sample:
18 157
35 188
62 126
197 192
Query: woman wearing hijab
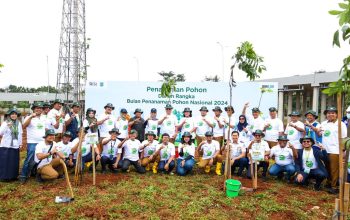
11 142
245 135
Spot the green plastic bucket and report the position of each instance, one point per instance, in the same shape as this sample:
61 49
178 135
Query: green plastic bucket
232 188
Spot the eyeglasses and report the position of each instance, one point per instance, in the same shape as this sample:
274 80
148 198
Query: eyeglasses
168 109
306 141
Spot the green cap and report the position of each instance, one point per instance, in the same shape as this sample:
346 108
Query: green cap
109 105
37 105
294 113
186 134
307 138
217 108
282 138
114 130
58 101
273 109
168 106
255 109
13 110
258 131
150 133
312 113
330 109
133 131
138 110
204 108
208 133
49 132
67 133
76 104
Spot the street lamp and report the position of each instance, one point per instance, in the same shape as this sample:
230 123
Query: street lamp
222 59
138 68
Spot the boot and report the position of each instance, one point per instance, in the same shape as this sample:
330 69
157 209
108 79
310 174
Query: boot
155 167
148 167
218 168
207 169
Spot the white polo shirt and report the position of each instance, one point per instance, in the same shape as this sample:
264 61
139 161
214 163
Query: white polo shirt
35 129
202 126
131 149
51 121
122 125
217 131
107 125
152 125
168 125
187 126
255 123
283 156
330 136
272 132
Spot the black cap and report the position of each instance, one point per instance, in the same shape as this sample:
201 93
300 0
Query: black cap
258 131
153 110
123 110
217 108
255 109
208 133
230 107
90 110
138 110
168 106
330 109
109 105
204 108
294 113
312 113
273 109
67 133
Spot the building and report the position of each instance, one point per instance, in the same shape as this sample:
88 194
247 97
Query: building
304 92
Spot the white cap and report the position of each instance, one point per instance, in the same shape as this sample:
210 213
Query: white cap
348 109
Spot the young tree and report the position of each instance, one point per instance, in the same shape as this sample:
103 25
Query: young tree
171 75
215 78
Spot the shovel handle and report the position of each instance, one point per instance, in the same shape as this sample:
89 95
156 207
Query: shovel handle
67 177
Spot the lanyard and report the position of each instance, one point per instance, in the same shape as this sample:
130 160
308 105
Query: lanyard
112 146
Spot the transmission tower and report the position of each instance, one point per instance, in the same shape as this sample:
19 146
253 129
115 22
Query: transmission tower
71 74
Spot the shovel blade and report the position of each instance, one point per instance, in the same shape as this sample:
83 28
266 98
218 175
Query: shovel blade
62 199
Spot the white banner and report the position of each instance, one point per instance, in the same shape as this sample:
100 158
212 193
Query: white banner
146 95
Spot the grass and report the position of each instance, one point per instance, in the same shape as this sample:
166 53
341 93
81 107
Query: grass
152 196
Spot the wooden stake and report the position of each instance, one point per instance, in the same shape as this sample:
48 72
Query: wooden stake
346 199
341 167
93 166
337 209
78 166
255 175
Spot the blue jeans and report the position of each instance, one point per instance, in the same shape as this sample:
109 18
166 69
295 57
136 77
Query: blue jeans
276 170
162 163
29 161
188 166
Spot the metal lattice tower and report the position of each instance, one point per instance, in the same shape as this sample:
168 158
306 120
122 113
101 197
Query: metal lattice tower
71 74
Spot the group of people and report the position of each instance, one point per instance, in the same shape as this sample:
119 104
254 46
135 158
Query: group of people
297 152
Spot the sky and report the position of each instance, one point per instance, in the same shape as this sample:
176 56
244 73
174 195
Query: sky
294 37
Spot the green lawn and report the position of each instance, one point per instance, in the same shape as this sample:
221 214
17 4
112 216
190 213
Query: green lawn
149 196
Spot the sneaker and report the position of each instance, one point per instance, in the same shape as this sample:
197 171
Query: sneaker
333 191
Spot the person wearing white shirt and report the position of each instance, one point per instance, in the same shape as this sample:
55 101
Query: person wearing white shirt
90 122
238 154
186 161
230 121
166 152
10 145
258 152
148 148
65 147
111 153
254 120
218 125
329 132
55 119
244 131
35 126
151 124
106 121
211 154
186 123
131 147
203 124
284 156
310 163
295 130
168 123
48 158
73 121
122 124
273 128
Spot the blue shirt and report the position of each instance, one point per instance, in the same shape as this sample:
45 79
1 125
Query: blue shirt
312 133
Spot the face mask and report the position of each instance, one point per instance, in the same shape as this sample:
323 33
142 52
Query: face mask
348 115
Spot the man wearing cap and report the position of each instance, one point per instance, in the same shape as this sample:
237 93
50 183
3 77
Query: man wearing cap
131 147
312 126
65 147
106 121
46 109
123 124
229 120
295 130
238 154
151 124
186 123
211 154
48 158
168 123
309 163
148 148
35 126
56 119
284 156
111 153
72 120
329 132
218 125
10 145
203 124
166 152
258 152
255 121
273 128
137 123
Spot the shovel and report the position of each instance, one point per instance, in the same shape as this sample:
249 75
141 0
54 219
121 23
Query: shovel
62 199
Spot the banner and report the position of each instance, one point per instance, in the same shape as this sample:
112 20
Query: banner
146 95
